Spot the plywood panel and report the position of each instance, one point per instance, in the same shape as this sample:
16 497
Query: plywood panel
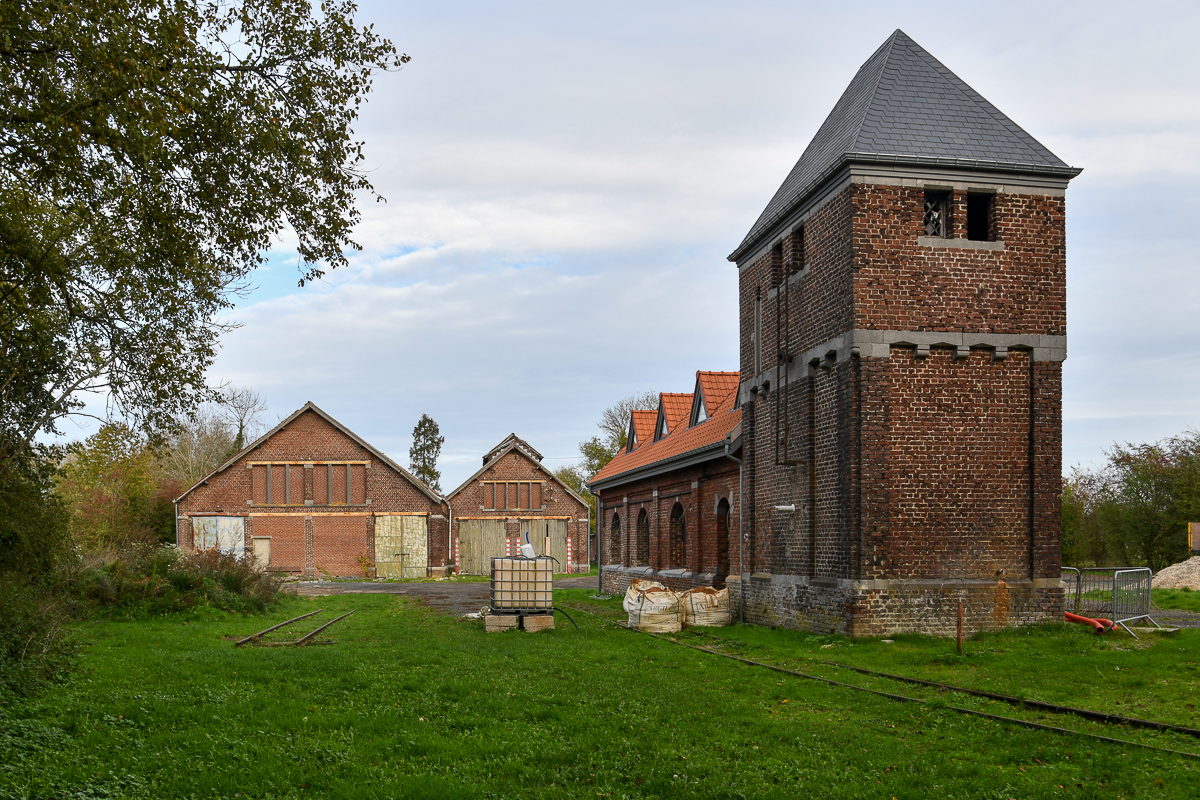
227 534
389 548
416 546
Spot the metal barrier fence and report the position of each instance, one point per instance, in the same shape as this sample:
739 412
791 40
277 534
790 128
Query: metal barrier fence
1122 595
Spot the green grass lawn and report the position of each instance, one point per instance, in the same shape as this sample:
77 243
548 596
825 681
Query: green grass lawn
409 703
1184 599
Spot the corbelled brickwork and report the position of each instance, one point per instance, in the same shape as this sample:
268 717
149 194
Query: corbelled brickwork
679 528
903 324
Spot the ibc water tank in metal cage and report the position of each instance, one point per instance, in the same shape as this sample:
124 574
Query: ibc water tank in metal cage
522 585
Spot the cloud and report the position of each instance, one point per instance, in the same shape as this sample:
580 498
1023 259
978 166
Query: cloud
563 184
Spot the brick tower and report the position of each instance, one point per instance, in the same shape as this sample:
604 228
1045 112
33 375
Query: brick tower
903 327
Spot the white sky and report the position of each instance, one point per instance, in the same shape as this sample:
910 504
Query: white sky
564 183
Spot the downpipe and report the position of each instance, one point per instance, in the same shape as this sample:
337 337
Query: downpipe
741 536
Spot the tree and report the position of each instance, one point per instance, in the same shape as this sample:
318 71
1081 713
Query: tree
109 484
423 455
242 408
597 451
150 152
1134 510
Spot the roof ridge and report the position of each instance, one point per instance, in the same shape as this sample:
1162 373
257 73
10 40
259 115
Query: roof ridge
904 106
890 44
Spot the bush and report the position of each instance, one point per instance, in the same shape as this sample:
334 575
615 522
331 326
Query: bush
34 646
148 580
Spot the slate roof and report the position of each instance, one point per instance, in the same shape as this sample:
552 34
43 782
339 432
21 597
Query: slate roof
682 442
509 444
905 106
513 439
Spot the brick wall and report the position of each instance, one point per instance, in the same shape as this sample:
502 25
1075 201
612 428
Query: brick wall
308 535
913 468
556 503
701 491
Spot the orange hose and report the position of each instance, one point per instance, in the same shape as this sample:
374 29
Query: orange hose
1101 625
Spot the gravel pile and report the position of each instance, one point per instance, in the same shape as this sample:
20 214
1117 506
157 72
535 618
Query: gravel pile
1184 575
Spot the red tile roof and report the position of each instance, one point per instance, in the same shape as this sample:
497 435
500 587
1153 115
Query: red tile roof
716 387
682 440
677 408
643 426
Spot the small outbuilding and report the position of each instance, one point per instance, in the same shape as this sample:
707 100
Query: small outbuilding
512 499
310 497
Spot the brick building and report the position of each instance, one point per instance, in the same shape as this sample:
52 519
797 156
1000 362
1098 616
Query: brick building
903 327
902 304
312 498
512 498
666 502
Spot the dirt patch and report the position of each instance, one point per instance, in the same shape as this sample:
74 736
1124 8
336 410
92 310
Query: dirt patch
447 597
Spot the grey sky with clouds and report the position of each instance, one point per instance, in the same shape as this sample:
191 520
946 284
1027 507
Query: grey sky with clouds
565 181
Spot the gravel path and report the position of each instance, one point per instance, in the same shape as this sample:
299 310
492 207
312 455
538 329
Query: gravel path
449 597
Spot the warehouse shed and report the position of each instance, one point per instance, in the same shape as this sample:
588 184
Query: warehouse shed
310 497
513 498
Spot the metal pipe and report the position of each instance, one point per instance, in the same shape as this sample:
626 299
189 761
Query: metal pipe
741 537
449 533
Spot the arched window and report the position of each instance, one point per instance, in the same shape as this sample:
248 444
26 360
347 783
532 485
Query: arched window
613 553
639 554
677 539
722 544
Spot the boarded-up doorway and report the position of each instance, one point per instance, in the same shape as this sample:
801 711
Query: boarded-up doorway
549 538
479 541
262 551
401 546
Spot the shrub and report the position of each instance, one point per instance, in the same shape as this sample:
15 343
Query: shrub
144 579
34 647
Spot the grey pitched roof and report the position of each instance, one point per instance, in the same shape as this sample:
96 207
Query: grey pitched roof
905 106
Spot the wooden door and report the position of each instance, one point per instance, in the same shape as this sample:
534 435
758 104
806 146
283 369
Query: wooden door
401 546
415 530
262 551
389 547
549 538
479 541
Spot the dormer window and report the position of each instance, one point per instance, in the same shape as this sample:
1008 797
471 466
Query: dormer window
701 413
937 213
662 429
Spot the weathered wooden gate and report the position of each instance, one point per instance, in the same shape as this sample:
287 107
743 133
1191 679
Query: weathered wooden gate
549 538
401 546
479 541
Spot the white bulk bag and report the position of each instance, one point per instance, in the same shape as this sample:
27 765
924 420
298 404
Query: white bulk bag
704 606
653 607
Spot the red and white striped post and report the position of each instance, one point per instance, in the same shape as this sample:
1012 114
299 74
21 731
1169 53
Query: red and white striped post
508 545
457 565
568 553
